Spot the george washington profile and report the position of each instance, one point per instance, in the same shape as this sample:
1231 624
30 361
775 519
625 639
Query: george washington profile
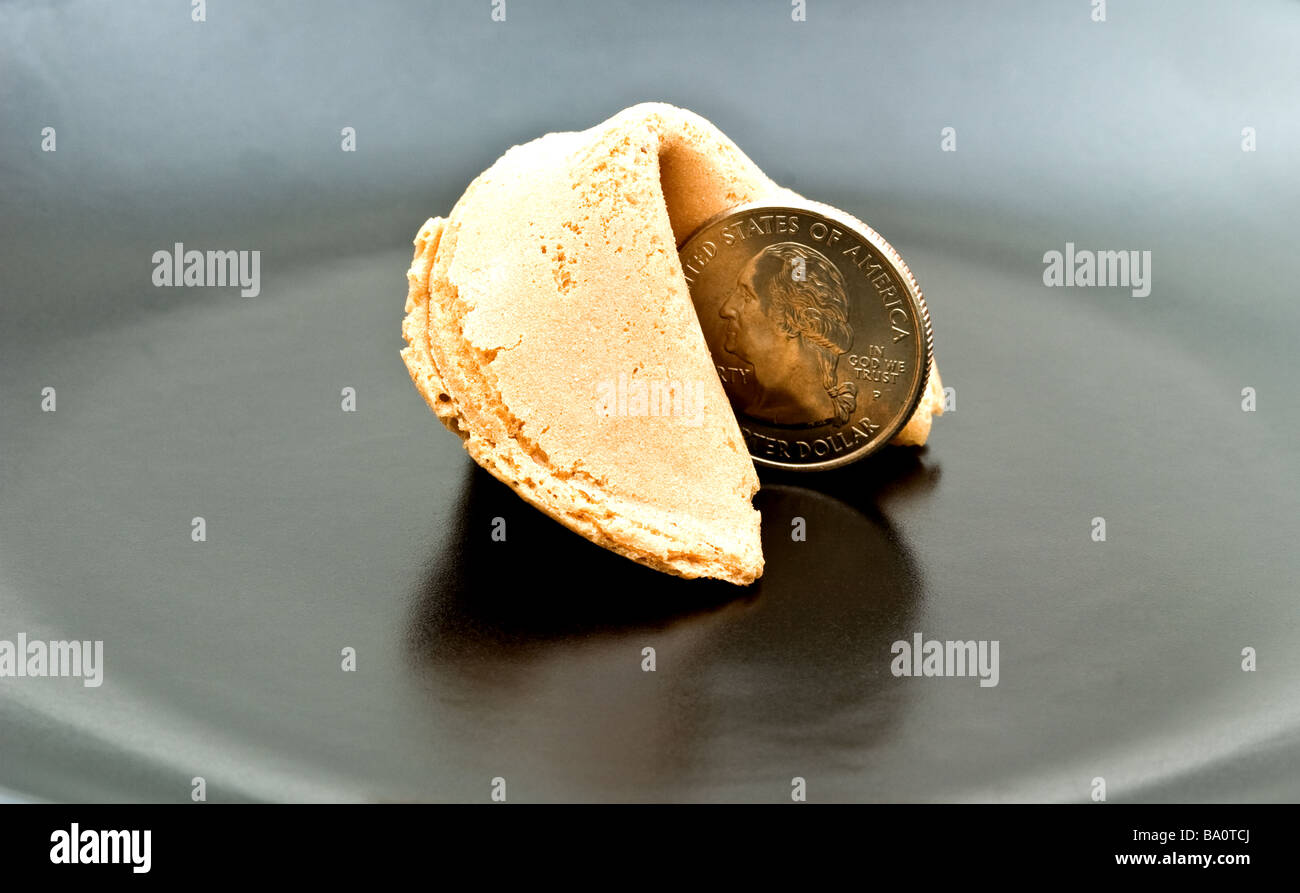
788 317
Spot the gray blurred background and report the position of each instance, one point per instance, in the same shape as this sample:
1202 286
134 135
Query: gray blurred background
1119 660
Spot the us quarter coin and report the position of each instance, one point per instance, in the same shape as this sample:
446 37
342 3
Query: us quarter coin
818 330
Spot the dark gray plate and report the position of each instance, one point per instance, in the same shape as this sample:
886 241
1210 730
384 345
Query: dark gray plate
478 659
